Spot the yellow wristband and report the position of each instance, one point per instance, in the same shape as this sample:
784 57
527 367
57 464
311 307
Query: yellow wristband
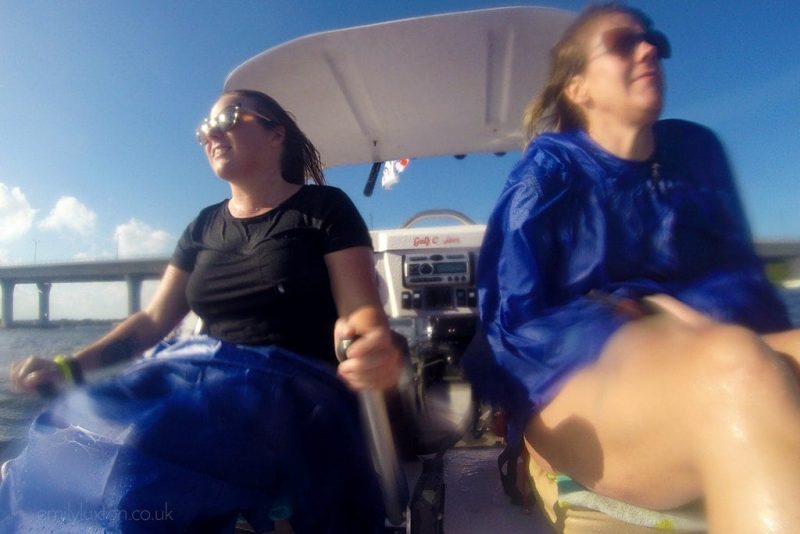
61 361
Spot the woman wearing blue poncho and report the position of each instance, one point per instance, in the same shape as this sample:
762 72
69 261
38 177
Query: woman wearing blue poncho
633 336
251 420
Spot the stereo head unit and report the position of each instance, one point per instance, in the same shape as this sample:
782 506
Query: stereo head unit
449 268
428 271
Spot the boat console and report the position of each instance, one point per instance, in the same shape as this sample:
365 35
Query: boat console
428 272
426 279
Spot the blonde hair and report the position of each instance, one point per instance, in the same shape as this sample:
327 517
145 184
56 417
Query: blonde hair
551 110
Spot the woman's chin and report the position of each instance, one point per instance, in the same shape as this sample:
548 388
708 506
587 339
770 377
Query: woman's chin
648 112
222 169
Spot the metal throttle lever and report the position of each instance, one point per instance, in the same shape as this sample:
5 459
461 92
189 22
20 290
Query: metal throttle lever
381 443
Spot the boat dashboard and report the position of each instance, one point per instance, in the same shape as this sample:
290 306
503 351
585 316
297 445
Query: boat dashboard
428 271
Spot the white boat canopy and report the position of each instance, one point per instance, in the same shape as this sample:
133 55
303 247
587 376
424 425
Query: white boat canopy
428 86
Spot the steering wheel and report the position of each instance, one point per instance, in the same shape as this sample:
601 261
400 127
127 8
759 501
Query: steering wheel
435 214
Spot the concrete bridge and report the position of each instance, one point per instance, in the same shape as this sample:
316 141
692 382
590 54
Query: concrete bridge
133 271
782 259
778 250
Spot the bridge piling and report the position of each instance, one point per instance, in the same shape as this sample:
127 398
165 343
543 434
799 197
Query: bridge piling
8 302
44 302
134 293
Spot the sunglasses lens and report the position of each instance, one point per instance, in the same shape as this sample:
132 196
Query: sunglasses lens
623 41
201 133
224 121
660 41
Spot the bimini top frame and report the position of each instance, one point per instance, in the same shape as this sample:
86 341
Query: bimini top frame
428 86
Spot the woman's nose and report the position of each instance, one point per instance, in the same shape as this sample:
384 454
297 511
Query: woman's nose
645 50
213 133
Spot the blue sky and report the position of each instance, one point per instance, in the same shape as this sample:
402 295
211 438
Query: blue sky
99 100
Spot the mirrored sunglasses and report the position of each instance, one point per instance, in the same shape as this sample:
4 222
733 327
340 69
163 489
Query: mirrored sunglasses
623 41
223 121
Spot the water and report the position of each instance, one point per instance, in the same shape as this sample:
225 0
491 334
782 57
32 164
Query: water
17 411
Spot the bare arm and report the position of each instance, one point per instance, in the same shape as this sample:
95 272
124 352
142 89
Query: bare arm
143 329
374 360
135 334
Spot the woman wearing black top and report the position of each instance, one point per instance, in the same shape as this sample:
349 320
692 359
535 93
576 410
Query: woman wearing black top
251 421
276 263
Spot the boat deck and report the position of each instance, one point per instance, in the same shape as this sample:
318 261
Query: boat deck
474 499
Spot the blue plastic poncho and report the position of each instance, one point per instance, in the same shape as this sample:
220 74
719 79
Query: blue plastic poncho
573 218
188 440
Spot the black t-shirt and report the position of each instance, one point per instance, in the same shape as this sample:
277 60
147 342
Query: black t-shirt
263 280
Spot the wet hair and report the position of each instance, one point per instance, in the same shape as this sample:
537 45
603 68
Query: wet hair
300 161
551 110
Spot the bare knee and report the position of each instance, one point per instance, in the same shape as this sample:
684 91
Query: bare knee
689 366
729 357
736 374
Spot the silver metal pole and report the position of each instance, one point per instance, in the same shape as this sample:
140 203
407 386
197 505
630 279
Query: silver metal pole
382 450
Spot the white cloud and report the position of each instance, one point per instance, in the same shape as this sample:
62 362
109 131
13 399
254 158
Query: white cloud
135 238
16 214
69 214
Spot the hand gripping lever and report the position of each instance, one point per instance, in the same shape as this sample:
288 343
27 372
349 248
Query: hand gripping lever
381 443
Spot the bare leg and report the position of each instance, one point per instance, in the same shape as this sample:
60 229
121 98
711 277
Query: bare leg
788 345
679 408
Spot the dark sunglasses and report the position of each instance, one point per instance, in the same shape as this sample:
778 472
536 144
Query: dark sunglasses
223 121
623 41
